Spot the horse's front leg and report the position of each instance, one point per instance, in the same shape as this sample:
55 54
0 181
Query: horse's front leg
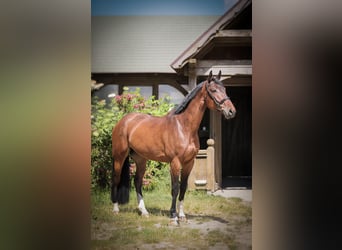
187 167
175 171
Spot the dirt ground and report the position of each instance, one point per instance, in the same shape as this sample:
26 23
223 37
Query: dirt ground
240 232
212 223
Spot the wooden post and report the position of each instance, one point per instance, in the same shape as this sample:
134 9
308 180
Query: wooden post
192 74
215 133
211 165
202 175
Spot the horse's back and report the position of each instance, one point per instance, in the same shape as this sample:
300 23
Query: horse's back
121 130
133 123
145 134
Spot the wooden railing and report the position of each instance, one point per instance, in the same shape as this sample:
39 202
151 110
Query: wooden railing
202 175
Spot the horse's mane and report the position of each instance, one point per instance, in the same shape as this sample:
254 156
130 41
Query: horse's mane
181 107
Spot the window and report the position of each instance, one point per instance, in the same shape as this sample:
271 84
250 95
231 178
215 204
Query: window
145 91
107 92
175 95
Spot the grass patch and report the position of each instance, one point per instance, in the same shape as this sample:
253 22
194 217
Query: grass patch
208 220
216 236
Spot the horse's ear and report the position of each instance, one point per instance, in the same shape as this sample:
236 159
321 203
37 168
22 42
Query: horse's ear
219 75
210 75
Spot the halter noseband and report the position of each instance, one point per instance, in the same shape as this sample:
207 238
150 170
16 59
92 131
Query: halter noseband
218 103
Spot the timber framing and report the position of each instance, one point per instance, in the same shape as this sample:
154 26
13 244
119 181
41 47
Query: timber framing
217 34
142 79
228 67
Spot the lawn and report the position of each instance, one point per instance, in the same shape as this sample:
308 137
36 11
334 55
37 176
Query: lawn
212 222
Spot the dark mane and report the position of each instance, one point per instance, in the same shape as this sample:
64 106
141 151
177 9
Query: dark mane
181 107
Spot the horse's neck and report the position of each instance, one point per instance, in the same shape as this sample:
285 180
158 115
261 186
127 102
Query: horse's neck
193 115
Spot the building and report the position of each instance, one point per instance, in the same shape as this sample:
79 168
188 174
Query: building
170 55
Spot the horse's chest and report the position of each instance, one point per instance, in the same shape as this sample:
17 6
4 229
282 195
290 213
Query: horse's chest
190 151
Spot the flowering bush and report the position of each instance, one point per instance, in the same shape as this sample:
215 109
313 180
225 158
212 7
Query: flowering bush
156 175
103 119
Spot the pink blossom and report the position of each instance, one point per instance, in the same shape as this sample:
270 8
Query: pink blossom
129 97
118 98
139 106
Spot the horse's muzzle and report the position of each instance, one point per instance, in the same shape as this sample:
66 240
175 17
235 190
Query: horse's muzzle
228 113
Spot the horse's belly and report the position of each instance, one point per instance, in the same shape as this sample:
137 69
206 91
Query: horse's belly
150 151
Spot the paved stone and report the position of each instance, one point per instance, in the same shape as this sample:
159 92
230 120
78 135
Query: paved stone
244 194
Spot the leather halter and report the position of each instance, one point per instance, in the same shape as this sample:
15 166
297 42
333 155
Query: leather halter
218 103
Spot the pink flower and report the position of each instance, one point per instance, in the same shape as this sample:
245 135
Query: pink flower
118 98
129 97
132 169
139 106
146 182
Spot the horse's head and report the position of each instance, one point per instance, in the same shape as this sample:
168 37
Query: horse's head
218 97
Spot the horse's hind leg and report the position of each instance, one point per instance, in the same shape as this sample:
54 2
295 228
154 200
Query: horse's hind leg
116 178
138 181
116 173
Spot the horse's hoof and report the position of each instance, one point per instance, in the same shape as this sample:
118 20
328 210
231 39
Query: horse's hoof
174 222
116 208
143 212
115 212
146 215
183 219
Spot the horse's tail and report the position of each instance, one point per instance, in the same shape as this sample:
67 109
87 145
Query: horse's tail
124 185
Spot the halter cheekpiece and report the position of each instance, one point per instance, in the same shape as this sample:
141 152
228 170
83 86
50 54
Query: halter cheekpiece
218 103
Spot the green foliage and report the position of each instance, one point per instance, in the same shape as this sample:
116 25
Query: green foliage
156 176
104 117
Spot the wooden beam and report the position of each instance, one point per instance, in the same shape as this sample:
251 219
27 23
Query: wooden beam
211 63
227 67
228 70
237 80
234 33
192 73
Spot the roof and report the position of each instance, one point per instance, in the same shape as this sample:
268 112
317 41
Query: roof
216 31
142 44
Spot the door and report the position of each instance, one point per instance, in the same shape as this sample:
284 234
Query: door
237 135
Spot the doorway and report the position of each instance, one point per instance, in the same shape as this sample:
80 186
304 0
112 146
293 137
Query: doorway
237 140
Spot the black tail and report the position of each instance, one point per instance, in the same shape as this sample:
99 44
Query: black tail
124 185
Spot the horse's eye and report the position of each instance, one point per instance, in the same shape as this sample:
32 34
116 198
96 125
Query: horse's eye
213 90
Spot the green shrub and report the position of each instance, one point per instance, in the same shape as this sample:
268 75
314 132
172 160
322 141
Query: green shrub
103 119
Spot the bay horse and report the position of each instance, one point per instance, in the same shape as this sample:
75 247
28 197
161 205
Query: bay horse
172 138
